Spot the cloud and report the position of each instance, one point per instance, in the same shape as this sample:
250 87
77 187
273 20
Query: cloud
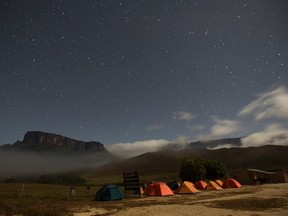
127 150
269 105
222 127
183 116
136 148
155 127
273 134
195 127
227 146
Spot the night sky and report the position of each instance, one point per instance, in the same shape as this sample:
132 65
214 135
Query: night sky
144 72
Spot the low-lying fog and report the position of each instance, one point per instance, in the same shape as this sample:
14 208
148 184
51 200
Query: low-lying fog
26 163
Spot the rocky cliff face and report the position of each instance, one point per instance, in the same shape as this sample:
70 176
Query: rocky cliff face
41 141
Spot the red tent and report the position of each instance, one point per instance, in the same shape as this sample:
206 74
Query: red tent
158 189
201 185
231 183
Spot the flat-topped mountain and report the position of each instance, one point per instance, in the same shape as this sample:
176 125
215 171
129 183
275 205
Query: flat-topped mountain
42 153
42 141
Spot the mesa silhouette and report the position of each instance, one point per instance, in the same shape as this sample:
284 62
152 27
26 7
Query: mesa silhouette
41 141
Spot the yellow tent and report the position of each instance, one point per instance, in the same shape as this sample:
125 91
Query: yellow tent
219 182
187 188
213 186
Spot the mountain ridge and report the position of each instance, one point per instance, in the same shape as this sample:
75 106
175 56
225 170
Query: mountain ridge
42 141
166 164
41 153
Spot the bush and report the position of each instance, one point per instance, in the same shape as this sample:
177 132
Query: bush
196 168
215 170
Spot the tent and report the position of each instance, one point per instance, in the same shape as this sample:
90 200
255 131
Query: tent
200 185
213 186
108 193
158 189
231 183
175 186
219 182
187 188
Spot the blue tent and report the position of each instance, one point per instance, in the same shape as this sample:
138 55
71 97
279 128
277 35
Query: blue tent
108 193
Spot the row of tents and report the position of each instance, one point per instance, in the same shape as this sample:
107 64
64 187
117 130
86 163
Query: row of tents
161 189
113 192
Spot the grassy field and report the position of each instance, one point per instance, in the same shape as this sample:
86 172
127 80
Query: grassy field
56 200
41 199
31 199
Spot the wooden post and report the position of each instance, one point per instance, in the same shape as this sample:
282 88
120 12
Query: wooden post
22 191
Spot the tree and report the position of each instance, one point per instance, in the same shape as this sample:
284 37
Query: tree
192 169
215 170
196 168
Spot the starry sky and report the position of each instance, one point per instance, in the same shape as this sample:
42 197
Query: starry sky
140 72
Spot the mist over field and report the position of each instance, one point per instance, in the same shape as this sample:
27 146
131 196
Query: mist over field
29 163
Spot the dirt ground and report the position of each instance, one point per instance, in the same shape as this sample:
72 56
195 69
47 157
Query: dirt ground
269 199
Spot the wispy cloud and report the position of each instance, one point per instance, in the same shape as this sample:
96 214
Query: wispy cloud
224 127
269 105
136 148
227 146
274 134
195 127
127 150
221 127
155 127
183 116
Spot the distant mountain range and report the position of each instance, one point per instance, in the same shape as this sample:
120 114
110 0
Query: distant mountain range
39 141
163 165
41 152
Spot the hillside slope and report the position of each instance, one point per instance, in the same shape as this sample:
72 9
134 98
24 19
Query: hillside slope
166 164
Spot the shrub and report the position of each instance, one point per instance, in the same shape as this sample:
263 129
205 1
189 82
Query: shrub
196 168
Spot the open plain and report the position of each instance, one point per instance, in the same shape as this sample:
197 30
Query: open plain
54 200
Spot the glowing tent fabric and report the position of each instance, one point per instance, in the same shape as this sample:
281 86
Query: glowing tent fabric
219 182
158 189
213 186
200 185
187 188
231 183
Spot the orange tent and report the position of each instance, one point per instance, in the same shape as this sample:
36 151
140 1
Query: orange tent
231 183
158 189
219 182
187 188
200 185
192 184
213 186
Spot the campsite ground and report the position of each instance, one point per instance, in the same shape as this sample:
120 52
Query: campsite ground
269 199
53 200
